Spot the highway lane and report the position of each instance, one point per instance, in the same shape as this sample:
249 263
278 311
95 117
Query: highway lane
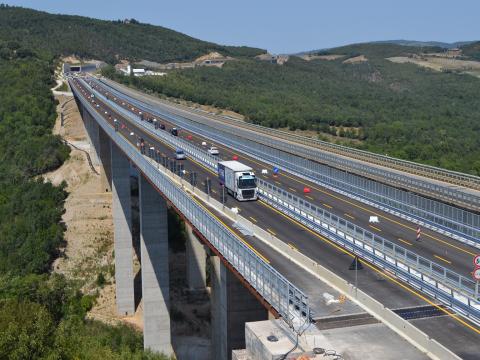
372 280
433 246
395 231
185 111
304 240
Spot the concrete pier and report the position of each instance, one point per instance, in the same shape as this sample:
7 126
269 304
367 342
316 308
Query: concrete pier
105 158
122 224
232 306
154 262
196 260
92 128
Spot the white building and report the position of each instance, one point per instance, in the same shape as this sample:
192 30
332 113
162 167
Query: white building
138 72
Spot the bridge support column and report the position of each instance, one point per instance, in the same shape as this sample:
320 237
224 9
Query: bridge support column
95 137
154 262
105 158
100 148
232 306
91 128
196 258
122 224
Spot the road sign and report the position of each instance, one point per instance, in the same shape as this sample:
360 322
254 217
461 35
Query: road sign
476 261
476 274
276 170
419 232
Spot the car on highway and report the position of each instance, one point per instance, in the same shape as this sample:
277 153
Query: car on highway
213 150
174 131
180 154
162 126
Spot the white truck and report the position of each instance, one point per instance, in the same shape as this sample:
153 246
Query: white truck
239 180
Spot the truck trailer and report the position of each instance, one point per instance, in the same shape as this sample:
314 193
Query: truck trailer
239 180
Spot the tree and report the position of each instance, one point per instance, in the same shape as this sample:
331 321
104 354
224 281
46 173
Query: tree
26 330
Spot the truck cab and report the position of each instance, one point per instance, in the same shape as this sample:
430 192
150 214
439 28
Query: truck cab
247 186
239 180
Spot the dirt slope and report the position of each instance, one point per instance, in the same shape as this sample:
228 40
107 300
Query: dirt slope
88 247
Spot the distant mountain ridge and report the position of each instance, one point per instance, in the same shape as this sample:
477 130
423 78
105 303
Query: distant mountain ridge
472 50
411 43
441 44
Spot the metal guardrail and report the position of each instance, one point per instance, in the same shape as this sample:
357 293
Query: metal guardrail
449 287
317 148
290 302
451 221
445 193
453 177
326 219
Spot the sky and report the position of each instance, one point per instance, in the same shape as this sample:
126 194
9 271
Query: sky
288 26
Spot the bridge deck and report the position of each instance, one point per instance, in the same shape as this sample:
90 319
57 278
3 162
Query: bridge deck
370 280
433 246
182 110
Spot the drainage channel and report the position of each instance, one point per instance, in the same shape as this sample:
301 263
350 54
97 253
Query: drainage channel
343 321
420 312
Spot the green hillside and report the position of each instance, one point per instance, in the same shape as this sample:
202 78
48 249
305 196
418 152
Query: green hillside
472 50
397 109
380 50
104 40
42 314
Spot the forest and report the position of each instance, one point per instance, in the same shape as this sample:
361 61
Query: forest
397 109
42 314
472 50
104 40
